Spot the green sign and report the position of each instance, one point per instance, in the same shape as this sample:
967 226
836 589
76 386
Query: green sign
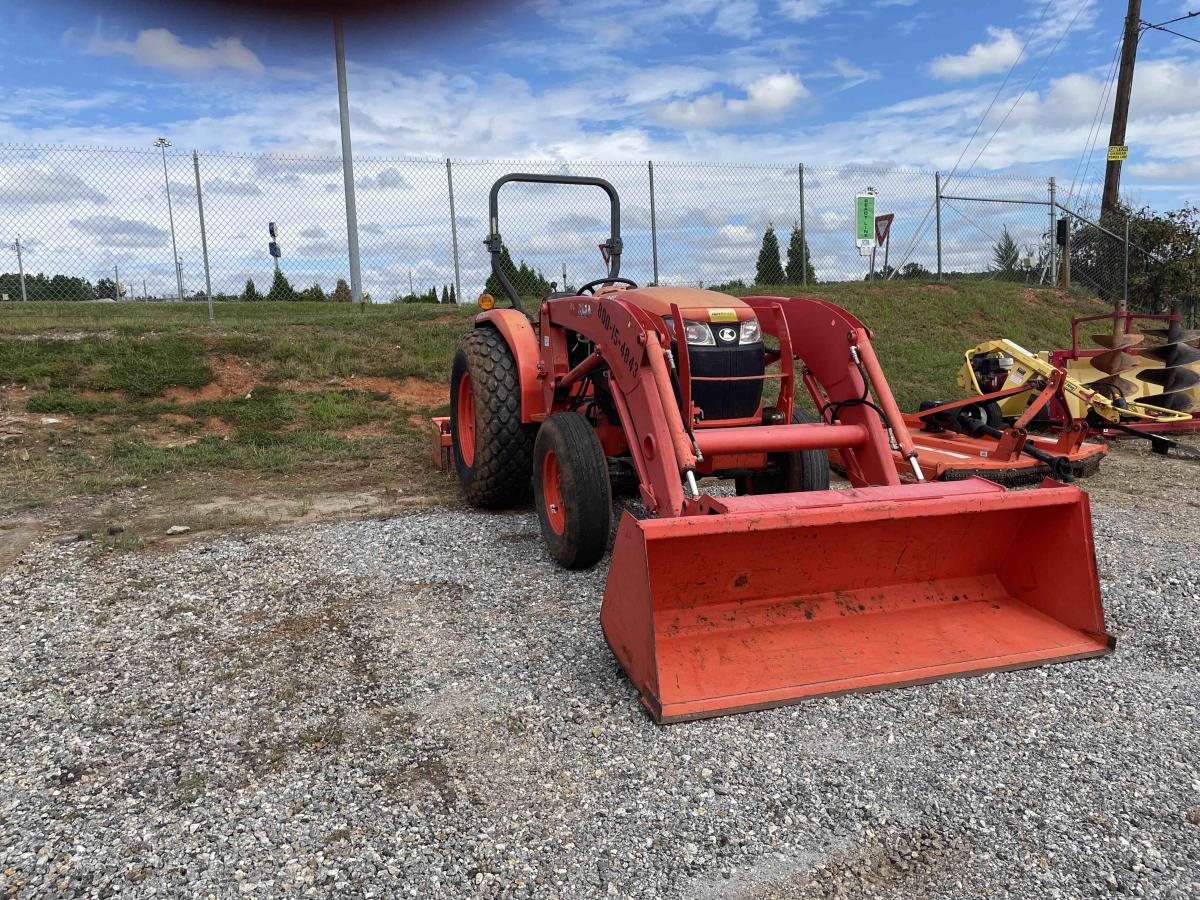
864 231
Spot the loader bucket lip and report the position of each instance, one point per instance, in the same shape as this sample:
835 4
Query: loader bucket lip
821 599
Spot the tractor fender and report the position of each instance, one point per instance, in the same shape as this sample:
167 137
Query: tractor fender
518 333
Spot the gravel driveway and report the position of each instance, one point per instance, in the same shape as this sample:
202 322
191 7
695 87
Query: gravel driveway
425 707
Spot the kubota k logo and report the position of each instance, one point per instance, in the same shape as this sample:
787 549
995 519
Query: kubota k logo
727 334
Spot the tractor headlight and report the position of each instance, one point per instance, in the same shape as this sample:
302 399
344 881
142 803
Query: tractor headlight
698 334
751 333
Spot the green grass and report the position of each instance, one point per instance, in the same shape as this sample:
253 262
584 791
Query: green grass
106 367
921 330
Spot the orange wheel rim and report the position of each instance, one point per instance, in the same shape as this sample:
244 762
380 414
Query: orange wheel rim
552 492
466 419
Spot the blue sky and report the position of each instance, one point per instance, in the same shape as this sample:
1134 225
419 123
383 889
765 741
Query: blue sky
900 82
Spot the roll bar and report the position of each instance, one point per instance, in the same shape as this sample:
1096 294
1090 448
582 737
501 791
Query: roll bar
495 245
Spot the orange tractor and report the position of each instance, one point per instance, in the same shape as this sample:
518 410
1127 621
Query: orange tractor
788 590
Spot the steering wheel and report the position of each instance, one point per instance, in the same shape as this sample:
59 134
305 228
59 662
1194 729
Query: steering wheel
591 286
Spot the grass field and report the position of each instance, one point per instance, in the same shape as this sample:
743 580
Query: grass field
100 397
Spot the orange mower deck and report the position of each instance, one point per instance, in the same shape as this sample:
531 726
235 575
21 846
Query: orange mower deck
951 456
770 600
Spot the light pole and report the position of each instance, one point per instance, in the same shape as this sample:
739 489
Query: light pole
339 52
162 143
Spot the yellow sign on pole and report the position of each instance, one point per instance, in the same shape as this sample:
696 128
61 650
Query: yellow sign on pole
1118 153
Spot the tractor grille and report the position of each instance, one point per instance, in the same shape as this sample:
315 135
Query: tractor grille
729 399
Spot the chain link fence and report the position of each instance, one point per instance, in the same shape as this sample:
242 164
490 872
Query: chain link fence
87 223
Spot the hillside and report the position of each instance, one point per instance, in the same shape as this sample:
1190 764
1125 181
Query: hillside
297 399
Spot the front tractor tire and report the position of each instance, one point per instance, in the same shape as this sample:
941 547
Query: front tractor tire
571 490
493 450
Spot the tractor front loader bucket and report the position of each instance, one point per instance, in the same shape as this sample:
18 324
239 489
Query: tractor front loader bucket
766 600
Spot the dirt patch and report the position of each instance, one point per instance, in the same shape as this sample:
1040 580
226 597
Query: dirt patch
409 391
234 377
940 288
175 430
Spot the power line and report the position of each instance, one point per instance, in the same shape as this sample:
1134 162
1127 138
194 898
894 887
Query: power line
1089 146
919 232
1025 89
1186 37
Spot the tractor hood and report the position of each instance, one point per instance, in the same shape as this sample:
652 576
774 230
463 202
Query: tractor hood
657 301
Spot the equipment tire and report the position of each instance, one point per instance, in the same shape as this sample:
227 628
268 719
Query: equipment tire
571 491
801 470
988 411
493 450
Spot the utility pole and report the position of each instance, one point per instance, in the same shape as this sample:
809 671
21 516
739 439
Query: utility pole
21 268
1116 135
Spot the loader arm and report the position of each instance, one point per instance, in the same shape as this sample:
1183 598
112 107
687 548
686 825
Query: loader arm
634 348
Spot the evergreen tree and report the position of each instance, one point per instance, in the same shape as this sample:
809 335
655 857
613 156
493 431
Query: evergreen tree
798 245
527 282
341 292
1006 254
251 293
453 294
445 293
281 289
769 270
313 294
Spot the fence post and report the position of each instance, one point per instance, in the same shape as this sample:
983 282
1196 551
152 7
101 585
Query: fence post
1052 262
339 48
458 295
937 203
803 233
21 269
203 235
1125 288
653 223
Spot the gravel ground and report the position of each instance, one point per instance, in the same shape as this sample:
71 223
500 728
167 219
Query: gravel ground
425 707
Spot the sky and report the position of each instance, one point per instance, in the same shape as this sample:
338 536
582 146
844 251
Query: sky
880 83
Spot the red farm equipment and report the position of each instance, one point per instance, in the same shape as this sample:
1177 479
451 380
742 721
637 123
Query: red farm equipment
790 589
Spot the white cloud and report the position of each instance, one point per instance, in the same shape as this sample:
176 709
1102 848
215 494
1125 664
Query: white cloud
1159 169
664 82
803 10
996 55
738 18
852 73
159 48
766 96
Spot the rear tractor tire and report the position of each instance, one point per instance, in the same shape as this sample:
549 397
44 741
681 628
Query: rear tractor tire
801 470
571 490
493 450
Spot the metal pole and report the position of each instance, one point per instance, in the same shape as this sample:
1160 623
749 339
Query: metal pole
803 234
117 282
162 144
21 269
1125 290
339 46
454 234
1052 262
653 224
1066 261
203 235
937 202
